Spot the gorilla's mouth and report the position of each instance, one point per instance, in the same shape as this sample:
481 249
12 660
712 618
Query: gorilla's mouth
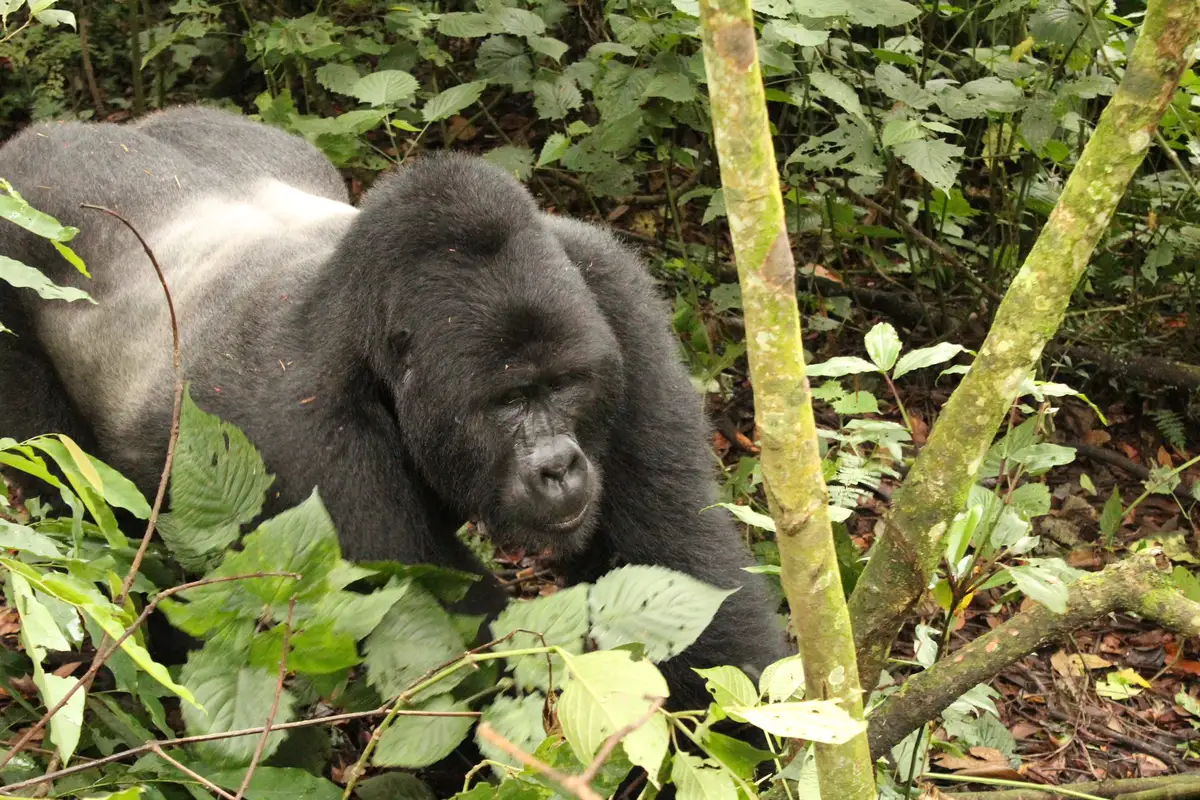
572 524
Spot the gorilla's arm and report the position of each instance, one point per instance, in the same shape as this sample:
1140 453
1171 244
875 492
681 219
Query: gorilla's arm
659 472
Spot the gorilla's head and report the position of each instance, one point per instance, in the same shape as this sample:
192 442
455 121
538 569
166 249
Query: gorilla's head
503 374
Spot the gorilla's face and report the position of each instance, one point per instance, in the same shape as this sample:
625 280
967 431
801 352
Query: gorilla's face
506 396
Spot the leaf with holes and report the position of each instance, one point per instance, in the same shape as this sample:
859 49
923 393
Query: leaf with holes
660 608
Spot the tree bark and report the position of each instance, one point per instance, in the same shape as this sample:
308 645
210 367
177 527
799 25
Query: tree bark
1136 585
905 556
791 460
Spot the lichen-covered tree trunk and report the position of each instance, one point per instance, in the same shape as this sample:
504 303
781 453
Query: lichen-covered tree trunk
936 489
791 461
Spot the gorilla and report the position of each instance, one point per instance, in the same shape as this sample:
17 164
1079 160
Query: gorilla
446 352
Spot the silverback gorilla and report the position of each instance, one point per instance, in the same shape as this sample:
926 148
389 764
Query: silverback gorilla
446 352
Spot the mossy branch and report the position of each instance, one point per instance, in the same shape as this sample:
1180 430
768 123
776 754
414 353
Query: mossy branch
907 553
1139 585
791 460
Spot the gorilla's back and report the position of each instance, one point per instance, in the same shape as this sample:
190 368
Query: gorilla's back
239 216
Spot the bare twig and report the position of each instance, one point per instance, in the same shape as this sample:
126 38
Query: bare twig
262 740
589 774
191 773
177 361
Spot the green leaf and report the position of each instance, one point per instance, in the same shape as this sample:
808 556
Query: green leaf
519 21
25 277
556 144
55 17
1038 458
821 721
339 78
672 85
468 25
795 33
1031 500
782 680
548 46
1111 516
27 540
104 617
39 632
561 618
880 13
926 357
1041 586
556 100
899 131
839 366
606 691
729 686
67 724
316 649
1187 583
697 779
856 403
448 103
386 88
838 91
898 86
517 719
516 161
218 484
935 160
233 698
748 516
14 209
394 786
660 608
415 636
277 783
414 742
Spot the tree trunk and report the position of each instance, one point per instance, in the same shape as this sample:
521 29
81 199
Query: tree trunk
791 461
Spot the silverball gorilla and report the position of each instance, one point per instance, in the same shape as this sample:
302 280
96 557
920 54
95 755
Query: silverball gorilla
445 352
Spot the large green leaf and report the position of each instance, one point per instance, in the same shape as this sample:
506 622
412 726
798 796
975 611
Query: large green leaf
561 618
218 484
658 607
517 719
388 87
606 691
233 698
415 636
413 742
277 783
934 160
448 103
696 779
25 277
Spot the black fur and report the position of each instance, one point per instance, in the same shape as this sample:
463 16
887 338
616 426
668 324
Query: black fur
420 361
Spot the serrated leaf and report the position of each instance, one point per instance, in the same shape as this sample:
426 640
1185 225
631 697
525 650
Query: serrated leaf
413 742
795 33
660 608
280 783
218 484
519 21
821 721
926 357
388 87
468 24
839 366
935 160
898 86
555 100
561 618
556 144
339 78
233 698
782 680
517 719
22 276
415 636
883 345
606 691
838 91
516 161
448 103
899 131
673 86
548 46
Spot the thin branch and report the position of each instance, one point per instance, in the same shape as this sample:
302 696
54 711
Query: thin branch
262 741
150 747
177 361
191 773
589 774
